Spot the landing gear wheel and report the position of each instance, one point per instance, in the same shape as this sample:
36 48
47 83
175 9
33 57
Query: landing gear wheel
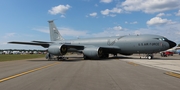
61 58
85 57
149 57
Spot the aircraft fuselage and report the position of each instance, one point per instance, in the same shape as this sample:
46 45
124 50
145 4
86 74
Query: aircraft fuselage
127 44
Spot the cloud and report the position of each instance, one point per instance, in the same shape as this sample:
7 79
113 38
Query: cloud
96 5
135 22
158 21
72 32
8 35
62 16
105 12
150 6
94 14
117 28
170 31
160 14
178 13
3 43
126 22
60 9
42 29
106 1
111 12
65 32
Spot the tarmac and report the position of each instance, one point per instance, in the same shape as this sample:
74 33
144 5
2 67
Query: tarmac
115 73
170 63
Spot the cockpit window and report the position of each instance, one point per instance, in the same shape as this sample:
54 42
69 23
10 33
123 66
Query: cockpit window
165 38
162 39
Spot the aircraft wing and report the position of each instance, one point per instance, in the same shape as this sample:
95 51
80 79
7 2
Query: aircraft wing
111 49
80 48
43 44
72 47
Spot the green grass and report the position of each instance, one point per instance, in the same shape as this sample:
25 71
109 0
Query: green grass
20 57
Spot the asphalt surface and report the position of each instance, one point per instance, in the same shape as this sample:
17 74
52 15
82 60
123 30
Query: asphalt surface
122 73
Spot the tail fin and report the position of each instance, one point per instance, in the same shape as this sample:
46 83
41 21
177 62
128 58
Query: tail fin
54 33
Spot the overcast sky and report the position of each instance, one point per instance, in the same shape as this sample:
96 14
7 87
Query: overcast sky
26 20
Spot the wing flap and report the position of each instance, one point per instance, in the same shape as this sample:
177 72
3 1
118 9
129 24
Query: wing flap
111 49
78 47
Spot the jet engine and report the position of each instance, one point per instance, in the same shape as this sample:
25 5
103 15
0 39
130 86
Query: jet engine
93 52
58 49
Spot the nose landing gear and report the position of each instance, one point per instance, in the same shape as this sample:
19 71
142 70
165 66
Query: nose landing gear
147 56
150 56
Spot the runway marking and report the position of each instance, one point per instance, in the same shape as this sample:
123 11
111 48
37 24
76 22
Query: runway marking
132 63
173 74
27 72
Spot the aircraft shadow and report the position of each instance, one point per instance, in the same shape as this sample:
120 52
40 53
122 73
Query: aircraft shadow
37 60
75 59
155 58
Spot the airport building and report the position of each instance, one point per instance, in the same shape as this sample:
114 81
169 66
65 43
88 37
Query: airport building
22 51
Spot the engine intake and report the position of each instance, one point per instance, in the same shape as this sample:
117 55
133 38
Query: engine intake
93 52
58 49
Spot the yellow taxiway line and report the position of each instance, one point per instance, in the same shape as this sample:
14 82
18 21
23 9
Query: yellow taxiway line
132 63
23 73
177 75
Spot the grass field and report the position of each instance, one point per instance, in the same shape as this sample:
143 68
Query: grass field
20 57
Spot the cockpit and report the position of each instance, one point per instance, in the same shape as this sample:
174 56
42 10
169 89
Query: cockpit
171 43
162 39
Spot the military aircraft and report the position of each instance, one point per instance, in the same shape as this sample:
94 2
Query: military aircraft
101 47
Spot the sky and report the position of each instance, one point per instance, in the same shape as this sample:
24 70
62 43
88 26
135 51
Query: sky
26 20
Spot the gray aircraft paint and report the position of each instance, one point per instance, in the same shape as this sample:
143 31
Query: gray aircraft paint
127 44
54 33
94 47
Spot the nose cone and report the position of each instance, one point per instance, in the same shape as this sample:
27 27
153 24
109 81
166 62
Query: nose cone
171 44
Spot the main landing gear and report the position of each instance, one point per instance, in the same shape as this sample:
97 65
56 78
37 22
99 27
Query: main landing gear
61 58
51 57
148 56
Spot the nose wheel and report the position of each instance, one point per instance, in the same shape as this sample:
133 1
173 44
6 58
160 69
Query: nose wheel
149 56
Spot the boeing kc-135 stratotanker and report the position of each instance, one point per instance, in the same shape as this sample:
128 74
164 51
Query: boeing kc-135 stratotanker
101 47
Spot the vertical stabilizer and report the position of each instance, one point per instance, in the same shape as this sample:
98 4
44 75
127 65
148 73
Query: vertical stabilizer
54 33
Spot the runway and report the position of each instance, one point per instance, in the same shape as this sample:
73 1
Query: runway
123 73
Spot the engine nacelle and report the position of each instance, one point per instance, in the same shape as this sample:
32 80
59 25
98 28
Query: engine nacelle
58 49
93 52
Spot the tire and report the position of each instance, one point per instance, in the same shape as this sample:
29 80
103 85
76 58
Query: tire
149 57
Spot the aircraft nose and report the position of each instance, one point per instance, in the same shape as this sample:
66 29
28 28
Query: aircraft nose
171 44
